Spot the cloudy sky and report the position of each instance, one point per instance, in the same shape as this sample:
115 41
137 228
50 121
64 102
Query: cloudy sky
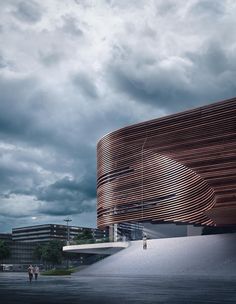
71 71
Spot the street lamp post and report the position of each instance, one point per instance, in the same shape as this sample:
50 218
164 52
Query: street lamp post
67 220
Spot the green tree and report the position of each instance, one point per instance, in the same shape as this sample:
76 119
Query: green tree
50 253
4 250
38 251
85 237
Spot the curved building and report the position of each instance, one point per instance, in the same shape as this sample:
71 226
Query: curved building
175 169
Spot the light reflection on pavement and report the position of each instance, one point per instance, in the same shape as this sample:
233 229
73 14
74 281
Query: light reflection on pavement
15 288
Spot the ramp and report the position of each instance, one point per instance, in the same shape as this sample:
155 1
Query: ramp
204 255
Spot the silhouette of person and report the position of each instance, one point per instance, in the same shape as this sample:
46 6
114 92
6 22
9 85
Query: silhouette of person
36 272
144 241
30 272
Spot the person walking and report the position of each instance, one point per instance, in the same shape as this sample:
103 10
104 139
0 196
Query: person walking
30 272
144 241
36 272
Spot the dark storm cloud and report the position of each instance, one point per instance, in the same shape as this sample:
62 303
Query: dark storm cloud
177 83
67 189
166 7
208 7
214 60
12 174
24 117
23 120
71 73
213 73
27 114
66 208
51 58
162 88
19 171
67 196
71 26
22 191
24 112
14 118
124 4
28 11
85 85
3 62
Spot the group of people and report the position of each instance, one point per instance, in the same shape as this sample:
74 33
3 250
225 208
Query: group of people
33 271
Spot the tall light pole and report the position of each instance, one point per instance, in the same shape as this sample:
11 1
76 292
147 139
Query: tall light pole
67 220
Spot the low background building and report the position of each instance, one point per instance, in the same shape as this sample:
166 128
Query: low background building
23 241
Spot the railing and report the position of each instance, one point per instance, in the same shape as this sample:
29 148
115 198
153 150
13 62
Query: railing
89 241
96 241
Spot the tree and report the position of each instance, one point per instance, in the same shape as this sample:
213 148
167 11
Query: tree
85 237
37 253
50 252
4 250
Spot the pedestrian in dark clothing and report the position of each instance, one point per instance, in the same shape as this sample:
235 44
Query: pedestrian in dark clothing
30 272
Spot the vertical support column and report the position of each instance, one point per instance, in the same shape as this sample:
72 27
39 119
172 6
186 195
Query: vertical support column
113 233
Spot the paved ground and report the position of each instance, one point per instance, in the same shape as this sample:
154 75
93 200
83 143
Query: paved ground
14 288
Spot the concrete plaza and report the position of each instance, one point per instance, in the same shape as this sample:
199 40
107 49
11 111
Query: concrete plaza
15 288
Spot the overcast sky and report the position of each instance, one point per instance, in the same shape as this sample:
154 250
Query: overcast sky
71 71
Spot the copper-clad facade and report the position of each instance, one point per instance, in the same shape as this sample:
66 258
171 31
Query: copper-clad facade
177 169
